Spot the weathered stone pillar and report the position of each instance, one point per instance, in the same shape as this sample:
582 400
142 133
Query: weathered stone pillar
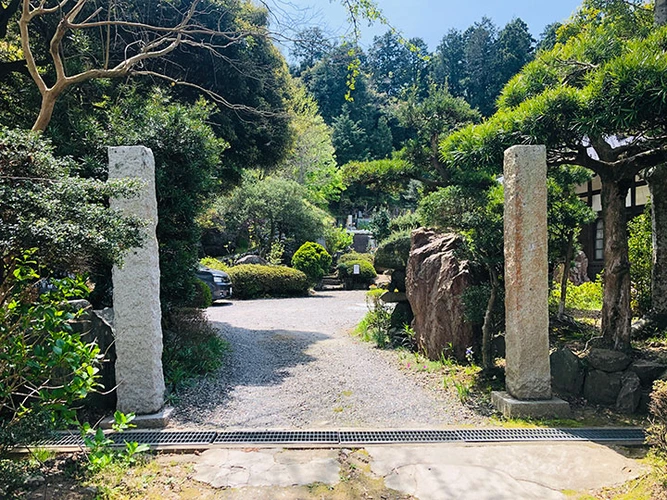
527 369
136 292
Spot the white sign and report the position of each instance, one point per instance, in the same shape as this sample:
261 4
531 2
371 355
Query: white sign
356 269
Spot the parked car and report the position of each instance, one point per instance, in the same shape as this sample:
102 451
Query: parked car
217 281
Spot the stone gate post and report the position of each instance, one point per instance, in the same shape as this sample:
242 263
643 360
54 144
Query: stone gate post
527 369
136 292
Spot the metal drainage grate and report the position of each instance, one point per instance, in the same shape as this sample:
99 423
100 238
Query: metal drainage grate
164 438
420 436
606 435
62 440
278 437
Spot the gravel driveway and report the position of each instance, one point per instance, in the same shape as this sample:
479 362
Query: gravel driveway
295 365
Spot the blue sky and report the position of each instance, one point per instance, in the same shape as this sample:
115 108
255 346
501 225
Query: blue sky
428 19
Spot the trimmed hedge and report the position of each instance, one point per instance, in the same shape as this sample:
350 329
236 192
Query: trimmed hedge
393 252
252 281
347 257
213 263
366 274
312 259
203 296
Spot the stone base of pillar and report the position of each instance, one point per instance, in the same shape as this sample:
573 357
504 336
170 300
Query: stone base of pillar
515 408
157 420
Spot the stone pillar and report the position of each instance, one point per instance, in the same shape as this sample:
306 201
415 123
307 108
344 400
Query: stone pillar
136 292
527 369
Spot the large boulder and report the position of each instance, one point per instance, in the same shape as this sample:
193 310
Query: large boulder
602 387
251 259
647 371
435 283
567 372
630 394
608 360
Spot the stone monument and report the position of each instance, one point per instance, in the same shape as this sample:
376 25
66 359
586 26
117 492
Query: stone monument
136 294
527 369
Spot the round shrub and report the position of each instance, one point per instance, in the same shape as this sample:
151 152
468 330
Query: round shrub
251 281
213 263
347 257
393 252
366 274
203 297
313 260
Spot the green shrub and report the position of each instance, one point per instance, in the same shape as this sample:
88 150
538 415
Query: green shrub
254 281
657 432
393 252
585 297
213 263
366 274
203 296
375 325
45 368
640 253
192 347
337 239
347 257
313 260
406 222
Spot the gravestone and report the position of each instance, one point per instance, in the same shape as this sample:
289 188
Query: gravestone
527 368
136 292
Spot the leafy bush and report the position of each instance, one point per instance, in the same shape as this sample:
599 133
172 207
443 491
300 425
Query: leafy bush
406 222
657 432
213 263
252 281
640 248
585 297
192 347
393 252
313 260
379 224
45 368
375 325
366 274
337 239
347 257
203 296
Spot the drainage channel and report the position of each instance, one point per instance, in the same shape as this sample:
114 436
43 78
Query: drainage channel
202 439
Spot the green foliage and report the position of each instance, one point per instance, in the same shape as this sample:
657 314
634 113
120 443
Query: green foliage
337 239
267 210
366 274
213 263
100 452
313 260
192 347
44 367
585 297
255 281
375 324
348 257
640 250
203 296
379 224
47 206
406 222
657 431
394 251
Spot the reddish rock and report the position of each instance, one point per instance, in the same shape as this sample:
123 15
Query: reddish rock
435 282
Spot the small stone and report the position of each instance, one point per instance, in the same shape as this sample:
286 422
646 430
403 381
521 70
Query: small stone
608 360
567 372
647 371
630 394
34 481
602 387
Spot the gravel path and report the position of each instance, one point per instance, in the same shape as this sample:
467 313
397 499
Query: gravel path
295 365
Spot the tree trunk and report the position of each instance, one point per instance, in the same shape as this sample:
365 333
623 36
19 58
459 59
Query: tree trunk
45 112
487 354
566 275
660 12
658 185
616 314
